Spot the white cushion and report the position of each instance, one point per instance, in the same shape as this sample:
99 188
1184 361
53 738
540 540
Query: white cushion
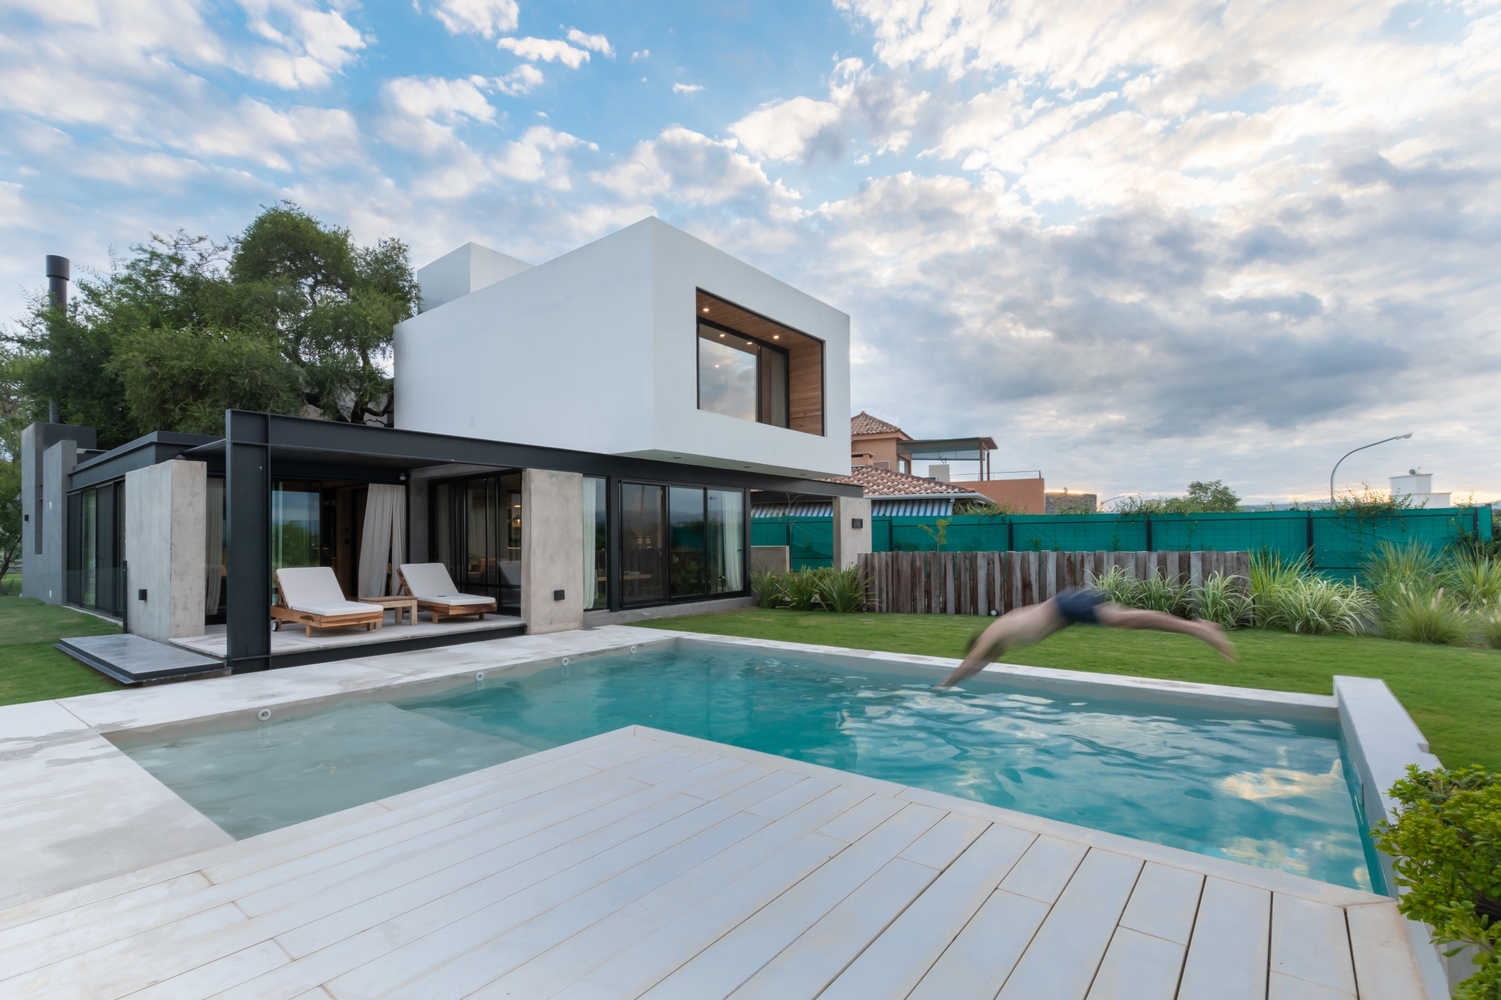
308 585
457 599
339 608
429 581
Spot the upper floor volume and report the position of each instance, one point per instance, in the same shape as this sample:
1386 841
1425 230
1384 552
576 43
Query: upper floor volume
646 343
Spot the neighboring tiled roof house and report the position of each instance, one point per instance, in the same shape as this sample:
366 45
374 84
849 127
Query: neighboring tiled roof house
863 423
885 483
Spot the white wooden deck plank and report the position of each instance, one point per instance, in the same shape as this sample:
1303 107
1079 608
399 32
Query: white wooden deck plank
555 968
948 839
219 975
1283 987
645 864
491 958
1385 968
635 970
1164 902
810 963
436 847
1227 953
894 963
859 821
1045 869
976 964
422 951
1066 952
462 889
735 957
1138 966
1311 942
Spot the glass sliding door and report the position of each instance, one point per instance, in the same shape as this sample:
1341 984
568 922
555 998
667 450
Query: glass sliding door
697 534
96 549
725 536
596 545
643 544
475 532
685 516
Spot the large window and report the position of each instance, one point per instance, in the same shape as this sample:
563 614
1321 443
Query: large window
476 533
741 377
754 368
96 544
680 542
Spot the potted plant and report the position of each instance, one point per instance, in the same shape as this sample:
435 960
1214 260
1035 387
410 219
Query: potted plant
1446 850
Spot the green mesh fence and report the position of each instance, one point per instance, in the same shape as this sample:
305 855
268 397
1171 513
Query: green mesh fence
1335 541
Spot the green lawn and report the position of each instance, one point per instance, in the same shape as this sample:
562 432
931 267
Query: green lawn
1454 695
30 669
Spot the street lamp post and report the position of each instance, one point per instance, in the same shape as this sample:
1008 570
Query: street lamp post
1398 437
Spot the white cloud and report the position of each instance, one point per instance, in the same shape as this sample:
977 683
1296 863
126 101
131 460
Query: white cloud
438 99
801 128
595 43
309 45
686 167
545 50
521 80
687 88
643 54
477 17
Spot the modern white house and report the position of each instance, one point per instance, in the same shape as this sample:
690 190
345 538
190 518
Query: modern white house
648 343
578 440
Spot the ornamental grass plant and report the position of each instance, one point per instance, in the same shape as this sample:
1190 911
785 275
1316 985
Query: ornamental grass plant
1286 595
823 589
1425 615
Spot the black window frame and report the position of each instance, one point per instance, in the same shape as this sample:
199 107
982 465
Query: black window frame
613 512
761 345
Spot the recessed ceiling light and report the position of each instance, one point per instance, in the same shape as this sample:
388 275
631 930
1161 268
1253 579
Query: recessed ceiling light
721 336
706 308
776 336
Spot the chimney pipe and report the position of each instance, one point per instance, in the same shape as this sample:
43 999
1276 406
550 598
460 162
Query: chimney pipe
59 270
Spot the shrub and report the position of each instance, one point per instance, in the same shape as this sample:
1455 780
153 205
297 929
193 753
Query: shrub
1473 578
1392 568
1489 620
1315 606
800 589
1223 600
1157 593
1116 586
842 591
1270 573
1446 850
1425 616
767 587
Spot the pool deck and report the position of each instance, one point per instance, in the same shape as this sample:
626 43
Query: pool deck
637 863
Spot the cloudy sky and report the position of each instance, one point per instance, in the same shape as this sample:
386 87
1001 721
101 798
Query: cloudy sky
1138 243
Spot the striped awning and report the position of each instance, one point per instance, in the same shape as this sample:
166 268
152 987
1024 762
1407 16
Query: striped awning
911 508
878 508
823 509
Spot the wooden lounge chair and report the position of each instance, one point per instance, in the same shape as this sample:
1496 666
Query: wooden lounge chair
311 596
436 594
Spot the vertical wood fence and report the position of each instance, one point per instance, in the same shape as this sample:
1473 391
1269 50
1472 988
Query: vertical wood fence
981 583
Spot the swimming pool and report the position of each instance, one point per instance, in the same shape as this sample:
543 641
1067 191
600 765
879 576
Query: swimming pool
1264 791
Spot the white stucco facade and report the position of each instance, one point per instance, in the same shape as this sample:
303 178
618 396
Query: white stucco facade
597 350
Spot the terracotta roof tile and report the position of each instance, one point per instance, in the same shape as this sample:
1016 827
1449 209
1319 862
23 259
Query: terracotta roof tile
885 483
864 423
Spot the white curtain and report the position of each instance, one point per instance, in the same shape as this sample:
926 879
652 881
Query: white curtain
726 540
383 542
591 573
213 546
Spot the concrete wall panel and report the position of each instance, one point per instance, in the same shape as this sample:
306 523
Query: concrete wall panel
849 541
165 506
552 550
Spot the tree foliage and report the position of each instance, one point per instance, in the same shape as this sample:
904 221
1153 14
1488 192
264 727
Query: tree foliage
289 315
1202 498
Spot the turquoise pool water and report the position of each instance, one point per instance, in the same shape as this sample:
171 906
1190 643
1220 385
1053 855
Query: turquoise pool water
1265 792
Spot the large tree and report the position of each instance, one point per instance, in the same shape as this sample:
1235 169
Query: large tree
291 316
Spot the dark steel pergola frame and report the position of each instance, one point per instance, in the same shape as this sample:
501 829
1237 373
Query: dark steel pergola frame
260 447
